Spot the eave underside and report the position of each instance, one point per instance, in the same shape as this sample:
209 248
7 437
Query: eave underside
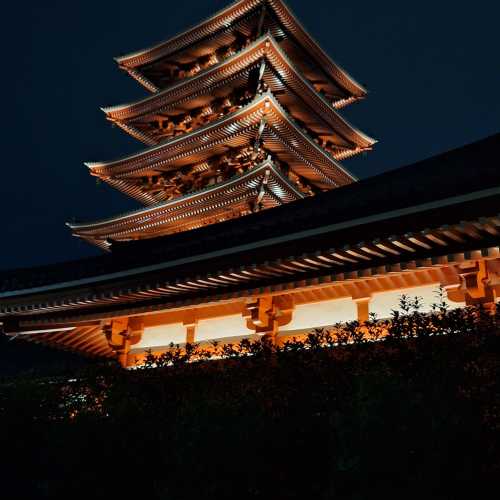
276 270
87 340
91 340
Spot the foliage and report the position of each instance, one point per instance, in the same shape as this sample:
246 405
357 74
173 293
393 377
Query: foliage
406 323
407 406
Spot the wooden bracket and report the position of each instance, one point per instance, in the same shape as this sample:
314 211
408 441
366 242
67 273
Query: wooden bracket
121 334
266 314
475 283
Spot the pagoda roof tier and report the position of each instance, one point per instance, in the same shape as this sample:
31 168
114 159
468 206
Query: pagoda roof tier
264 119
244 17
264 184
283 78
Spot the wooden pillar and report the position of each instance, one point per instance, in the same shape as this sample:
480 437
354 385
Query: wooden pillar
122 334
123 353
190 322
135 333
190 334
363 307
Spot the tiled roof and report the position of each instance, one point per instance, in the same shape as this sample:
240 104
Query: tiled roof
442 190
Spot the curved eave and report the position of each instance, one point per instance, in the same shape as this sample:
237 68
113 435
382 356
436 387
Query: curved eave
219 132
128 291
134 61
213 77
89 340
165 216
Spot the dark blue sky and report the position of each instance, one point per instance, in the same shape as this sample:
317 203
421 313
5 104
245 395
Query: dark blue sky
432 68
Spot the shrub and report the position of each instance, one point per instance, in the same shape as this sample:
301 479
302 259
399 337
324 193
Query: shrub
407 406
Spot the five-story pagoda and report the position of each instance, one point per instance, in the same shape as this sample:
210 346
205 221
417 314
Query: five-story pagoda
242 118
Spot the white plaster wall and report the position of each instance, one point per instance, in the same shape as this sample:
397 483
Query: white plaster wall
321 314
162 336
384 303
219 328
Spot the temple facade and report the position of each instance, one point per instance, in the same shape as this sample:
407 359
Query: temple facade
243 117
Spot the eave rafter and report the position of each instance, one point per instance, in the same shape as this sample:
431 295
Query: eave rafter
87 340
363 260
218 24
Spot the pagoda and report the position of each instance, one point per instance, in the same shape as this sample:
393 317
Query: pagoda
242 117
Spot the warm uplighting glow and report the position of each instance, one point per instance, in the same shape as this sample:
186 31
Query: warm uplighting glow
321 314
162 336
219 328
383 304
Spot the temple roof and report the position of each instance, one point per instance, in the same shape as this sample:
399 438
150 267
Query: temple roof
436 212
263 119
331 254
214 204
283 78
88 339
218 26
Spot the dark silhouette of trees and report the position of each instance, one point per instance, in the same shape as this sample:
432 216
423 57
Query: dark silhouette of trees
407 407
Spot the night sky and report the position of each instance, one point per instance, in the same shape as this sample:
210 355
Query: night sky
432 69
